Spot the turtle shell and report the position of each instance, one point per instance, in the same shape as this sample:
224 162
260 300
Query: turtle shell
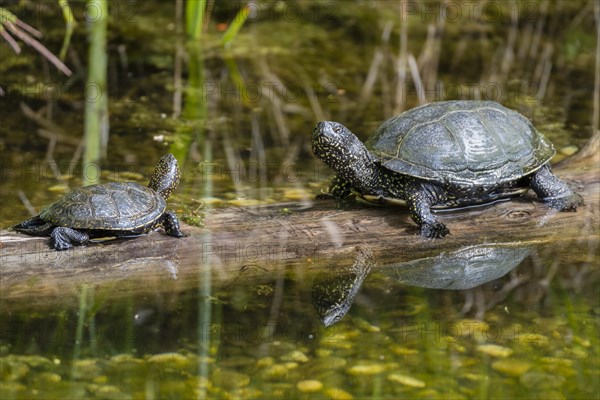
461 142
115 206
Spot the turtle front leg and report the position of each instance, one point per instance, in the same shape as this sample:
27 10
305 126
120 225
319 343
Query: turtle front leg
339 189
171 224
63 237
419 199
553 191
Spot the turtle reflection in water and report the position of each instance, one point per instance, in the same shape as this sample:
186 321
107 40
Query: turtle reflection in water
333 292
466 268
463 269
116 209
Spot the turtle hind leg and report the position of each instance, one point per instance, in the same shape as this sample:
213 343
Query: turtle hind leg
553 191
171 224
34 226
63 238
419 199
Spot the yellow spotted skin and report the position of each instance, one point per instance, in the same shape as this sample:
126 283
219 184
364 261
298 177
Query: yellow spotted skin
424 180
166 176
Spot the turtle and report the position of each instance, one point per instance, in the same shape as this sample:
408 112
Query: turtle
115 209
443 155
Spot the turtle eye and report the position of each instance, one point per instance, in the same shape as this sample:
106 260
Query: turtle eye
337 129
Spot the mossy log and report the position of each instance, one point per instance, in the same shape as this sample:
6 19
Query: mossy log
251 241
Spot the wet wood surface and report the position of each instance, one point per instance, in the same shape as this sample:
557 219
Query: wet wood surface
241 242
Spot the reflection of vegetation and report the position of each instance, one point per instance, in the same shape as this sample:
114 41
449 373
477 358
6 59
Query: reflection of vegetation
193 129
9 23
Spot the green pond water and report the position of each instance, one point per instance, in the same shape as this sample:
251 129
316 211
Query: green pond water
480 322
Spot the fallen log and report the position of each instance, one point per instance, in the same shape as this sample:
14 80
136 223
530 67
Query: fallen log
251 242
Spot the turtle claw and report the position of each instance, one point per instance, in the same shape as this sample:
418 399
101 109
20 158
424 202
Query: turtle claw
566 203
60 246
59 241
325 196
434 230
63 238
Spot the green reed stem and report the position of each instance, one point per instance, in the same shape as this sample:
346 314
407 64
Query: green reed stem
96 105
70 26
194 18
235 26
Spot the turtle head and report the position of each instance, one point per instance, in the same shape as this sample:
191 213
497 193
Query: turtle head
343 152
333 143
166 176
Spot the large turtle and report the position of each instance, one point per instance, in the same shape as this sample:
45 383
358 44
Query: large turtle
113 209
442 155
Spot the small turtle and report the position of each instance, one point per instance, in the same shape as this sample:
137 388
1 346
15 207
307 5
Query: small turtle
115 209
443 155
